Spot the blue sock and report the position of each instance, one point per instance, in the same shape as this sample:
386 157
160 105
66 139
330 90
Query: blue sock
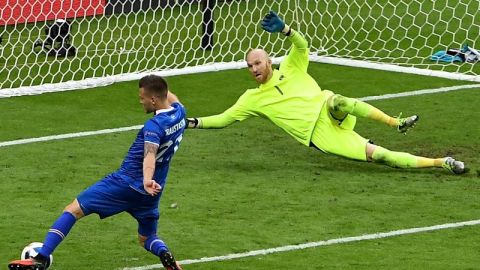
155 245
57 233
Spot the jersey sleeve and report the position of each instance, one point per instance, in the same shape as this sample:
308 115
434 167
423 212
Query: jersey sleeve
152 132
177 104
298 55
241 110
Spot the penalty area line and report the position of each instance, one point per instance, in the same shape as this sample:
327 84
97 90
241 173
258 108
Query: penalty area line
113 130
267 251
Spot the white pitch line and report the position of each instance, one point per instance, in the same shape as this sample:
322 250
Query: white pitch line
106 131
69 135
422 92
364 237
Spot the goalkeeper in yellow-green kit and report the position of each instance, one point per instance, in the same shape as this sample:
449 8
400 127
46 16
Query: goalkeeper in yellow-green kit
292 100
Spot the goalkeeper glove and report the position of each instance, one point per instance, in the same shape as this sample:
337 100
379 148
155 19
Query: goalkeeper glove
272 23
192 122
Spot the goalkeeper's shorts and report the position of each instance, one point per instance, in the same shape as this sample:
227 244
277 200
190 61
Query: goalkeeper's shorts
337 137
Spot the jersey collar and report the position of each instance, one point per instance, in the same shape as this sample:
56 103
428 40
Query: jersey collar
163 110
273 80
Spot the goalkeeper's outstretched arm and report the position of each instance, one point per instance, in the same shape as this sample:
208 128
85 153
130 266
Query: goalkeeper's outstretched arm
241 110
298 55
214 121
272 23
238 112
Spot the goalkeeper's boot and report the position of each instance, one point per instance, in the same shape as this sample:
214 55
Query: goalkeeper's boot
27 264
404 124
168 261
454 166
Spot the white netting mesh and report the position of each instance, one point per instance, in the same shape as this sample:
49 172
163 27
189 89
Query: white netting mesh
114 37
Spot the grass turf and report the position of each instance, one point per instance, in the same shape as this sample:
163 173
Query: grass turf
249 186
396 31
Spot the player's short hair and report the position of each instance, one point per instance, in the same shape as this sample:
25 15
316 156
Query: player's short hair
155 85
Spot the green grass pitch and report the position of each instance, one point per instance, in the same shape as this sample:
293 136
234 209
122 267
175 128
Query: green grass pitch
249 186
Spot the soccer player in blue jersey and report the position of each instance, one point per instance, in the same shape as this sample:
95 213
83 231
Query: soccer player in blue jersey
136 187
292 100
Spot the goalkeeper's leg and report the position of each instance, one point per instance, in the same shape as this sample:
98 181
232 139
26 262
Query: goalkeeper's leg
400 159
339 106
405 160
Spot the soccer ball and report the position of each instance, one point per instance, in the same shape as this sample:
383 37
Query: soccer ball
32 250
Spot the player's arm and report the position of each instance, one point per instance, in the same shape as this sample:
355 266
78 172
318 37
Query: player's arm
298 55
172 98
149 159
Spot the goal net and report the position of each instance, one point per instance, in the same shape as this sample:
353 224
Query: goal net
114 40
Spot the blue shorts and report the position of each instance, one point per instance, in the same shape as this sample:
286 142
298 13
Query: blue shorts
112 195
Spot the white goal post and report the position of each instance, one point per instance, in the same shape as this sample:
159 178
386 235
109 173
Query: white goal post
54 45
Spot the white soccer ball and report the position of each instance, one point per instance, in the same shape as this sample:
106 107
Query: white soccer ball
32 250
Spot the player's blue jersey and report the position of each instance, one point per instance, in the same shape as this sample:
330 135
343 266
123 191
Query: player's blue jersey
165 129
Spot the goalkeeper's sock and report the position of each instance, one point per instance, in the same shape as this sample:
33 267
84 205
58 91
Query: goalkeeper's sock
361 109
403 160
57 233
155 245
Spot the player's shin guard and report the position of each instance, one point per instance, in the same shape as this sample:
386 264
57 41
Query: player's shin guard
155 245
57 233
